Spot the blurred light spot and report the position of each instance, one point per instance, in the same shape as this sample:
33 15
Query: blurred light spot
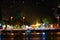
43 24
43 33
58 32
51 26
58 6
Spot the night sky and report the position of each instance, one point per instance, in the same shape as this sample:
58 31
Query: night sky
31 9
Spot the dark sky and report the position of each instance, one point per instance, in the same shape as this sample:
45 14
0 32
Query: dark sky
31 9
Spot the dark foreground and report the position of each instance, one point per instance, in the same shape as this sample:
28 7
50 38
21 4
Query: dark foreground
30 34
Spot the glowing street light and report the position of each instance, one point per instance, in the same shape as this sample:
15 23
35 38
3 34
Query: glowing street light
58 17
23 20
59 6
58 21
11 19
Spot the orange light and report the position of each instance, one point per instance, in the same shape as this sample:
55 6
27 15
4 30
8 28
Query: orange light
38 24
32 26
51 26
58 33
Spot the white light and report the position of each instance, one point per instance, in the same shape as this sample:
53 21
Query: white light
3 26
43 24
57 17
9 27
37 33
27 26
43 33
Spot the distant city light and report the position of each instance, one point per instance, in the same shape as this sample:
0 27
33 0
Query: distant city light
23 2
57 17
43 24
43 33
58 32
27 26
38 24
23 17
11 17
51 26
58 6
3 26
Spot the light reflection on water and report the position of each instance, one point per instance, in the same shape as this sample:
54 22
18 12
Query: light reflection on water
43 36
53 36
34 36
